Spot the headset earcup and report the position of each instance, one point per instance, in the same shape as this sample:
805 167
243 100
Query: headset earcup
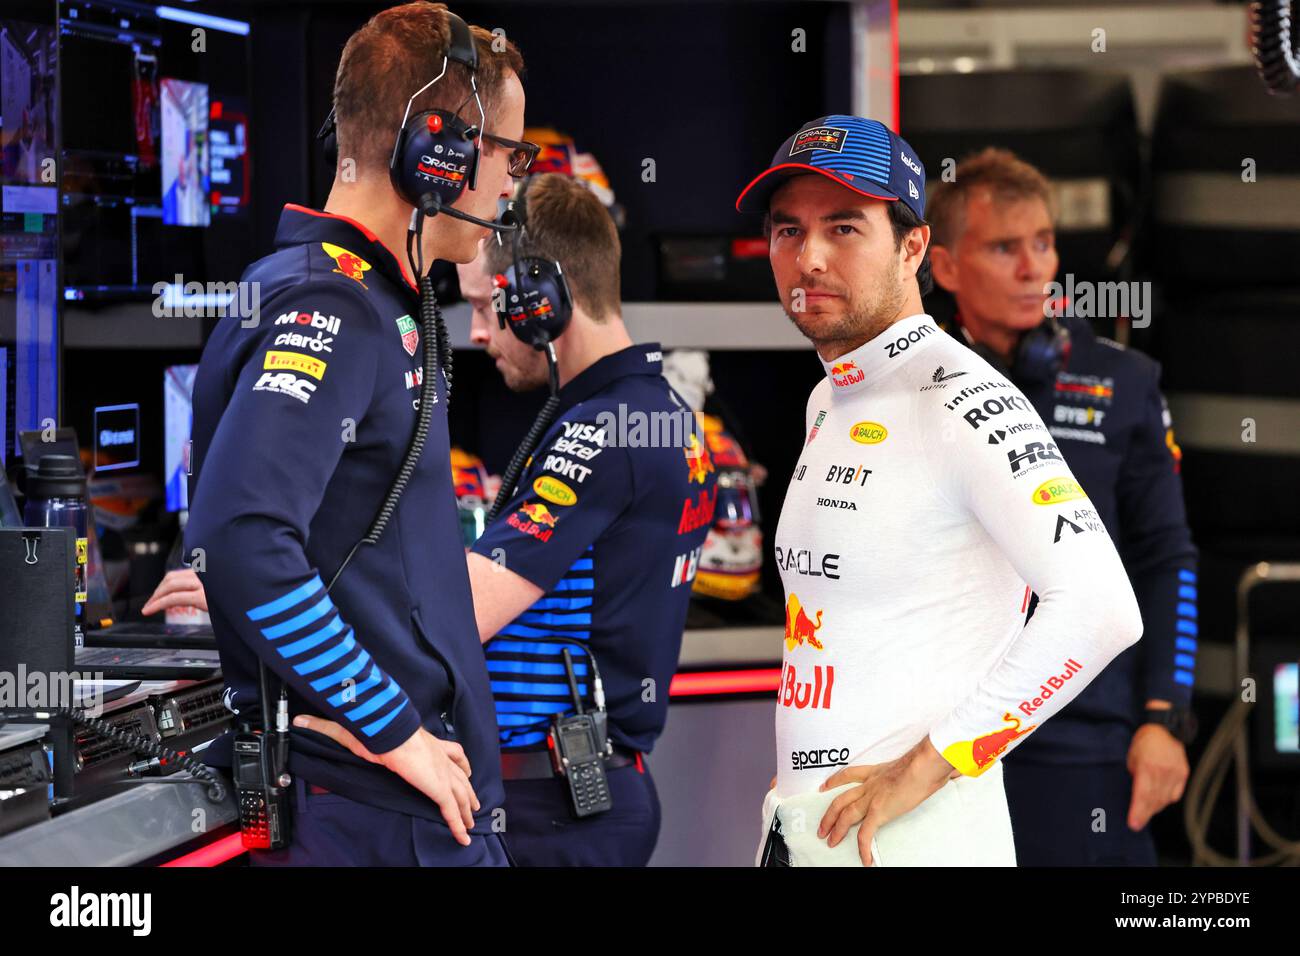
438 163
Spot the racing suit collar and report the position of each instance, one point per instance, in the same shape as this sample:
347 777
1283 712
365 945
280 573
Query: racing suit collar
644 358
857 369
300 225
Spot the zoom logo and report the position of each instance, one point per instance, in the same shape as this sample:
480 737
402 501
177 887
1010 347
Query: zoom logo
812 759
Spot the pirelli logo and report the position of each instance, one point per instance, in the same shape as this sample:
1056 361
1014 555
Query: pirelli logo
295 362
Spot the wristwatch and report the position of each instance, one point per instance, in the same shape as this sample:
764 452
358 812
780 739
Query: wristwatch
1179 722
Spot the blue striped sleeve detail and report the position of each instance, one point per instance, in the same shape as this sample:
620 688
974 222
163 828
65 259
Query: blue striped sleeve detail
555 620
1187 592
502 646
296 596
309 616
514 741
338 699
373 728
561 604
375 702
1186 661
1187 610
576 584
339 676
1186 627
540 690
1186 576
533 667
313 639
519 630
537 706
507 719
1185 644
582 564
1184 677
320 660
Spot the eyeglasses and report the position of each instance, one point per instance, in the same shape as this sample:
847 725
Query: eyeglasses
522 154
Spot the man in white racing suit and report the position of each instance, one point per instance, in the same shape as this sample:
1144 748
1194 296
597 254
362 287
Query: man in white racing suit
928 503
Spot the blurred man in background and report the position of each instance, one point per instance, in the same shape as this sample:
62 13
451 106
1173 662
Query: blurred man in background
1120 745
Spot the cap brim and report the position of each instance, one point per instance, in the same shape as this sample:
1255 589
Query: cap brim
755 196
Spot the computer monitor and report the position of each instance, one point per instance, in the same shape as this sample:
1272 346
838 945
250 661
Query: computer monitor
178 421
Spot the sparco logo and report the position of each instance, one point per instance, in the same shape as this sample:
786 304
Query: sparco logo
810 759
904 342
801 562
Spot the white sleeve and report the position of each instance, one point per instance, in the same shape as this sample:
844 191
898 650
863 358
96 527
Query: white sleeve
1024 495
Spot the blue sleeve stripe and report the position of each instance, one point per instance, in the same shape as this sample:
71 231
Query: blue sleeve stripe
1184 677
507 719
576 584
338 700
515 741
502 646
1187 592
309 616
533 667
1186 661
560 691
373 728
1187 610
313 639
375 702
334 653
519 630
1186 627
1187 576
582 564
545 617
536 706
339 676
296 596
561 604
1185 644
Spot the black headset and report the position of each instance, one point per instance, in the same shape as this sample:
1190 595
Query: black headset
535 294
1040 355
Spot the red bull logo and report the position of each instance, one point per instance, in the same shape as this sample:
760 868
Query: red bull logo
973 757
347 263
699 514
537 520
1050 687
698 463
846 373
799 627
800 695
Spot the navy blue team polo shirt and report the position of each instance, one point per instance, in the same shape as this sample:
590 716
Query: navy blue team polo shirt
300 424
608 519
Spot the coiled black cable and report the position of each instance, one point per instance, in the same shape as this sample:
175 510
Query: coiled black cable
1272 46
136 744
511 477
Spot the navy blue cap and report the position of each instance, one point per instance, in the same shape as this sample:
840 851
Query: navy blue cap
861 154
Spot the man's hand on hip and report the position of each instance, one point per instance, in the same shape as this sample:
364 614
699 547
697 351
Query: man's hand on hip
886 791
437 768
1158 762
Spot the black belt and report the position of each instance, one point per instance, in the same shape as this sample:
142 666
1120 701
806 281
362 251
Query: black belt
536 764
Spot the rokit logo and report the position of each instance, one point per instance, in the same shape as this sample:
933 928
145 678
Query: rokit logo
77 909
1032 456
904 342
814 759
848 475
565 468
802 562
685 566
996 406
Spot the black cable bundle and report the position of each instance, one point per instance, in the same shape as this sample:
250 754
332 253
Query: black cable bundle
525 449
1271 44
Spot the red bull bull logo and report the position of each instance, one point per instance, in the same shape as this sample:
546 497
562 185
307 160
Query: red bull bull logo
973 757
698 463
846 373
537 520
347 263
799 627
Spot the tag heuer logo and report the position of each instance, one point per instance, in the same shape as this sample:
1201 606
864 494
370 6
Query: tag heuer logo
410 337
